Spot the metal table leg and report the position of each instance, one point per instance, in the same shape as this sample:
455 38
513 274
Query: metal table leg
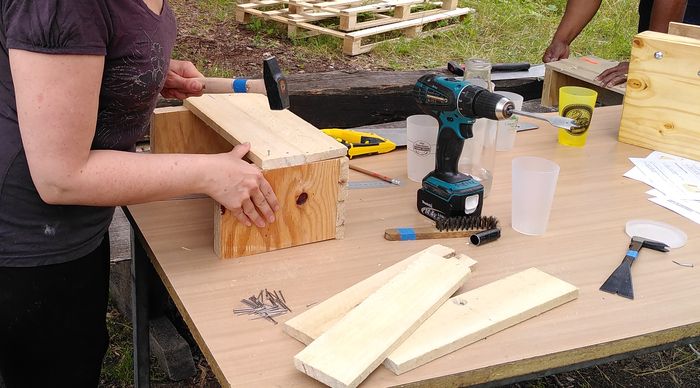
140 310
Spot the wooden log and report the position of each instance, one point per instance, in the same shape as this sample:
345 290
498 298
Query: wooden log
342 99
350 350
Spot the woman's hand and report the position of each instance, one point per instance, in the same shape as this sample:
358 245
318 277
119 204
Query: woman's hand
182 81
242 189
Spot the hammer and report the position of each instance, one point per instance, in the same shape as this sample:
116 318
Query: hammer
273 85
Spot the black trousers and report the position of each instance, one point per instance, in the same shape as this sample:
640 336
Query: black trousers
53 329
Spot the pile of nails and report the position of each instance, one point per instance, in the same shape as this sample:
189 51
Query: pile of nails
266 305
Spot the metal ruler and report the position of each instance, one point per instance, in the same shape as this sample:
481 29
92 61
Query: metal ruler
368 184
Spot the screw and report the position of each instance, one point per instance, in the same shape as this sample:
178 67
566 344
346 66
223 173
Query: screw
659 55
698 73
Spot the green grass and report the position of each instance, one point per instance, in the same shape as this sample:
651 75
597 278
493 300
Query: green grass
507 31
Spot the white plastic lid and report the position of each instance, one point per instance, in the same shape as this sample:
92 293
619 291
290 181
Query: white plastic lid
659 231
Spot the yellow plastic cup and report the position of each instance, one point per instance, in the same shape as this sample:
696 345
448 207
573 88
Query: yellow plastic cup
577 103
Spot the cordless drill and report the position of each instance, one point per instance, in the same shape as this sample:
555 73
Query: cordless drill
456 104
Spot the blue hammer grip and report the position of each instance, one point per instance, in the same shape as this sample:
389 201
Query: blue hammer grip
239 85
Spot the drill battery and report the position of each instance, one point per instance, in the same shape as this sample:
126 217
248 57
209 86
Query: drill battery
438 199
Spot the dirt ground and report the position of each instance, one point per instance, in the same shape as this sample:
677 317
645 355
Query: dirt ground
232 47
228 46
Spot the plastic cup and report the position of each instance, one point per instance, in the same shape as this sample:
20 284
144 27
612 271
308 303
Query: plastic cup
478 156
421 136
534 183
505 138
577 103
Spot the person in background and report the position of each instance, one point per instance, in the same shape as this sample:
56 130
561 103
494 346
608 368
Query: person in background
654 15
79 80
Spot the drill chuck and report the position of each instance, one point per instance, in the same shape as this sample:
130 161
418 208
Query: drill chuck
476 102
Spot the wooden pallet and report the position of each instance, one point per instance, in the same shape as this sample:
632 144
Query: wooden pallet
407 16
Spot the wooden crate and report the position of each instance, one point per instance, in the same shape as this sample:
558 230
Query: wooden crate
307 169
660 110
409 17
579 71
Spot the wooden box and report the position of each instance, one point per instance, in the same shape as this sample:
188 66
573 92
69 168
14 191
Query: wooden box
307 169
580 71
661 110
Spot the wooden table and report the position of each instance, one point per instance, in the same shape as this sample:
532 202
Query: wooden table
585 241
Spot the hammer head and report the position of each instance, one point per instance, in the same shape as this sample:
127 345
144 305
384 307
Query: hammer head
275 85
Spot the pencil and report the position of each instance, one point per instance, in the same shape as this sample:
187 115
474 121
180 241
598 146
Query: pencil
376 175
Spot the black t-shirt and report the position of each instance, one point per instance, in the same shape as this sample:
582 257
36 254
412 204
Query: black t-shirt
137 44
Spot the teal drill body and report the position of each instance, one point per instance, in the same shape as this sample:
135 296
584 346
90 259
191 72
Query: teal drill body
456 104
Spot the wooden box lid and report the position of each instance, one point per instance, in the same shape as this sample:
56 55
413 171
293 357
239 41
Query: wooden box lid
277 138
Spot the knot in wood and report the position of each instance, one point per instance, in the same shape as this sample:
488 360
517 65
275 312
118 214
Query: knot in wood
638 43
302 198
666 128
635 83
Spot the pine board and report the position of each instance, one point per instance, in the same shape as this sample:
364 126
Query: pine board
278 138
479 313
580 71
310 324
175 130
661 105
687 30
351 349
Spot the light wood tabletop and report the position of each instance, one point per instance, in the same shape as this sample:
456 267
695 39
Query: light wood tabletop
585 241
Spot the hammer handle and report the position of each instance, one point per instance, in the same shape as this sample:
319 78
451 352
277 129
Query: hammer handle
217 85
225 85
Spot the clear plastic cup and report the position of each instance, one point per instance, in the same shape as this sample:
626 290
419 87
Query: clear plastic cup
479 153
421 136
534 181
507 129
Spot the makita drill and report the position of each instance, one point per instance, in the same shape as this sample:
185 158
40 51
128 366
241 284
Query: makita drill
456 104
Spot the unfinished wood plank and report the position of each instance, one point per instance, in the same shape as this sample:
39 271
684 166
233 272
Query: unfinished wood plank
351 349
580 71
410 23
176 130
661 105
479 313
277 138
687 30
352 42
310 324
308 197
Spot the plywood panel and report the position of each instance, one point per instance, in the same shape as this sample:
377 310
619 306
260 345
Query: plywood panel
278 138
352 348
663 93
308 196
